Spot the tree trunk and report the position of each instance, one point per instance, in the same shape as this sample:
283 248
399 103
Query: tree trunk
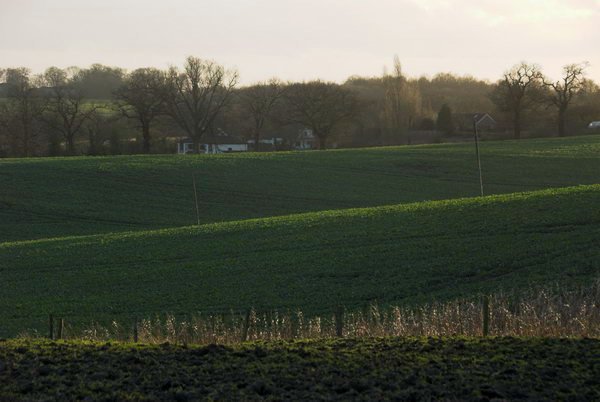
561 122
322 142
93 146
70 145
517 124
256 141
26 143
196 140
26 138
146 138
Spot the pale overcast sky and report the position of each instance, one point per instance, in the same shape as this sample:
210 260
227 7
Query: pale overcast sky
304 39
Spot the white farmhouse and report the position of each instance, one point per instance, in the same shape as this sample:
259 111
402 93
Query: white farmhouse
212 144
306 140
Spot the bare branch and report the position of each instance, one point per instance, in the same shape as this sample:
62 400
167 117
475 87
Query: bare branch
320 106
197 95
564 90
67 109
141 98
259 101
514 93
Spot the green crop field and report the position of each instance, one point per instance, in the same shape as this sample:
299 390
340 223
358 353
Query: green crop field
97 239
57 197
403 254
411 369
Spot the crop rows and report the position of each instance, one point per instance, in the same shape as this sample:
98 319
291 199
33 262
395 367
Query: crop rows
404 255
57 197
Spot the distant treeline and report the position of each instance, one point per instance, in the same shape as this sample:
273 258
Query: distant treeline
107 110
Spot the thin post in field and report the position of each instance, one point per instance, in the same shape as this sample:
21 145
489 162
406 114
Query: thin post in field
339 322
135 331
61 327
51 327
246 326
486 315
475 132
196 199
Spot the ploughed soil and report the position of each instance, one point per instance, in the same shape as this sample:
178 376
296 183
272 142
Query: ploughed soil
331 369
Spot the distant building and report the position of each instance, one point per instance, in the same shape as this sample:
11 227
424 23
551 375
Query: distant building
306 140
213 144
484 121
594 125
269 143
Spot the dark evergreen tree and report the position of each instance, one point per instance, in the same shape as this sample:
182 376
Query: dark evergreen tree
445 122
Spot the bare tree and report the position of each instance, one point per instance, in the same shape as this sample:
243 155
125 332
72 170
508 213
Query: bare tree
402 104
67 110
393 104
197 95
101 126
564 90
414 104
258 101
22 109
321 107
141 98
514 92
587 107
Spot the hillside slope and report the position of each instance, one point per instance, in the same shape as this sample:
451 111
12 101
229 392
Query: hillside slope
410 253
56 197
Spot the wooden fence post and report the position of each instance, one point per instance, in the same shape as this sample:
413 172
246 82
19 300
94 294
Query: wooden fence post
135 331
295 325
269 323
196 199
339 322
51 327
61 326
375 314
486 315
246 326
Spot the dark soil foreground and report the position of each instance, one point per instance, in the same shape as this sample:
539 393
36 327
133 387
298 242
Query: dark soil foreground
362 369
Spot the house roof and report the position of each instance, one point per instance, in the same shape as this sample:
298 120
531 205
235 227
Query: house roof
475 116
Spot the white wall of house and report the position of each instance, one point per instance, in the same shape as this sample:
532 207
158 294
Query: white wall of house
221 148
304 144
306 140
188 147
185 147
272 141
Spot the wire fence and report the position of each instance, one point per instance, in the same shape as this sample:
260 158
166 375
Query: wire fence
542 312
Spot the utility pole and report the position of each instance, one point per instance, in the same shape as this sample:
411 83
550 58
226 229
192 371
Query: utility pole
196 198
477 151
